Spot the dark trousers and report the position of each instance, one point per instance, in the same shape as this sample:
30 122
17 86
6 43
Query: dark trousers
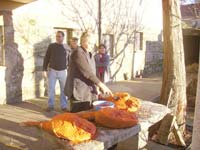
76 106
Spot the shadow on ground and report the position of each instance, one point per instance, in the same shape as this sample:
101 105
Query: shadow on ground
15 136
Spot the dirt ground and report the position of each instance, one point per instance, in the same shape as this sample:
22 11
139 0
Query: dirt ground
16 137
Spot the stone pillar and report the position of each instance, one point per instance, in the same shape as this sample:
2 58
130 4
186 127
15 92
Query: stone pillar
13 61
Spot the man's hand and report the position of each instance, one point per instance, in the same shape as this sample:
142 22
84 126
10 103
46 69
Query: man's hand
45 74
105 89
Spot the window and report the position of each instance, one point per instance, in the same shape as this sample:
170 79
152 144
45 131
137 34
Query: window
141 40
69 33
2 52
108 40
138 41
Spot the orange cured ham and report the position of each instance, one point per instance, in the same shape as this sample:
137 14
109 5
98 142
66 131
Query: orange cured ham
116 96
68 126
132 104
115 118
89 115
124 101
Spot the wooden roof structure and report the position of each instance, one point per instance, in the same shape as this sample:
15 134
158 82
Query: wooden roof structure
12 4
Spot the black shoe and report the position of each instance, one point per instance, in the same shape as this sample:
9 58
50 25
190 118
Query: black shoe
49 109
65 109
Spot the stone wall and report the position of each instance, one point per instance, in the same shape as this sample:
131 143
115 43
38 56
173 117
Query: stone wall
154 53
22 76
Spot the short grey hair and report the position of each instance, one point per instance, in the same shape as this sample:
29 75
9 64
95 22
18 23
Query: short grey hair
84 36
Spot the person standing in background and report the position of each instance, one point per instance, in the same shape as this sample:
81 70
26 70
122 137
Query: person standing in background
102 60
74 44
54 67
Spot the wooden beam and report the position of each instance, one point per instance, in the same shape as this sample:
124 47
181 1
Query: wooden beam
165 129
23 1
191 32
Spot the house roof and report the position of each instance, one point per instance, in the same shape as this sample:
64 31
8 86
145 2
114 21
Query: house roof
191 11
12 4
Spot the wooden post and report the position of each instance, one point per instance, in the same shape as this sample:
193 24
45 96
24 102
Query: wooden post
196 127
173 91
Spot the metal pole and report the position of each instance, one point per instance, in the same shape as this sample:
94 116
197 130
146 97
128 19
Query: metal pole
99 21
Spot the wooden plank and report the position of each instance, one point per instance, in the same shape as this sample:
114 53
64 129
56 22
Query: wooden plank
165 129
191 32
178 135
169 125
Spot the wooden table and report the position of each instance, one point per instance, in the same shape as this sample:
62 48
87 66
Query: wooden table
149 114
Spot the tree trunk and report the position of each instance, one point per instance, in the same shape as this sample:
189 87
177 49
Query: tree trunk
173 93
196 126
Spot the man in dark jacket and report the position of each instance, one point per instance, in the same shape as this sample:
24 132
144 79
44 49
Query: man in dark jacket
81 81
54 66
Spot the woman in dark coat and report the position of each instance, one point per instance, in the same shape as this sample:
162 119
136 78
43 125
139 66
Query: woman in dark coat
102 60
81 81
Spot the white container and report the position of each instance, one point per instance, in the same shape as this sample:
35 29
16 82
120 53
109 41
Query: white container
102 104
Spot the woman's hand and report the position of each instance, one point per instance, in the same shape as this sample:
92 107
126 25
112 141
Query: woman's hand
45 73
105 89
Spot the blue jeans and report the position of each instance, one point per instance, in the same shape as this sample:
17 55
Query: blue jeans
53 76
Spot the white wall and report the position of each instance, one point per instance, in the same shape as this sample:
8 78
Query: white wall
36 21
2 85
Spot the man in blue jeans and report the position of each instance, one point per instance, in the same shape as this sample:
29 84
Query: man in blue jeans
54 67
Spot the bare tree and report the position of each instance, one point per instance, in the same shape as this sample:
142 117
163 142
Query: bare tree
121 18
81 12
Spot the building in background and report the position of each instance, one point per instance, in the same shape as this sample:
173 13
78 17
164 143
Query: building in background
131 30
191 32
